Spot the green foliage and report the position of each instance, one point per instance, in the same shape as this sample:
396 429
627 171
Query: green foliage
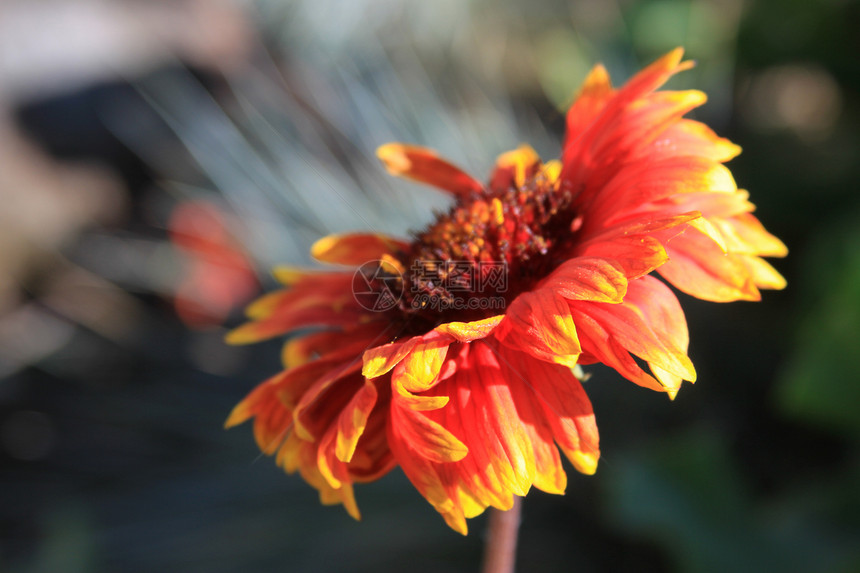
821 381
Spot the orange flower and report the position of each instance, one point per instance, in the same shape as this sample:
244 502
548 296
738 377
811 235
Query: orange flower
218 277
452 355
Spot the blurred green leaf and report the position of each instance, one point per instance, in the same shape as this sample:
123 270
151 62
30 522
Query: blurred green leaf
686 495
820 383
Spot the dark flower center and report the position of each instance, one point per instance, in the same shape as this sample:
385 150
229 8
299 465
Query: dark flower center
476 258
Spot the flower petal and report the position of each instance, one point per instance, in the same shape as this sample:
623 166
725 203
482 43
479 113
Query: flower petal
564 405
425 437
381 359
588 278
353 420
636 254
596 90
747 236
420 369
325 399
356 248
698 267
540 324
762 273
322 299
425 166
638 184
469 331
649 323
690 137
513 168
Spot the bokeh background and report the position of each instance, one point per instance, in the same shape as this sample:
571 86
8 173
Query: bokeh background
157 158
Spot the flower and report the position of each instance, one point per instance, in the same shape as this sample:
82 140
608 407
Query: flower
217 275
465 375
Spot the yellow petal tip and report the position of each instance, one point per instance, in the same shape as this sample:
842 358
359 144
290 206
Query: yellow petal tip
584 462
392 156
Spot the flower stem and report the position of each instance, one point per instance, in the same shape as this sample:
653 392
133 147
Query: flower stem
500 552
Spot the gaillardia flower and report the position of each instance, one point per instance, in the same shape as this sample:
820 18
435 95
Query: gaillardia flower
462 371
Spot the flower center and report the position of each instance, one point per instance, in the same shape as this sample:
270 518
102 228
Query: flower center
476 258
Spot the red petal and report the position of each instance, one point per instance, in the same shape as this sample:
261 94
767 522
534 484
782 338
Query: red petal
469 331
649 323
588 278
325 399
540 324
323 299
514 168
689 137
562 403
638 184
425 437
595 92
699 267
353 420
356 248
637 254
425 166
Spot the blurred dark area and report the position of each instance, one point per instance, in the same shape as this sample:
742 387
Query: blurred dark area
157 159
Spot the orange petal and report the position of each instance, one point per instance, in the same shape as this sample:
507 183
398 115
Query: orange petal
372 457
588 278
649 323
469 331
353 420
564 405
486 413
690 137
356 248
289 276
698 267
320 403
276 326
299 350
381 359
611 106
540 324
637 254
596 90
425 166
549 474
762 273
751 238
645 181
420 369
594 159
272 419
427 438
514 167
710 203
656 74
426 478
322 299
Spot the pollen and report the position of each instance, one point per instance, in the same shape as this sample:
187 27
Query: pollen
522 230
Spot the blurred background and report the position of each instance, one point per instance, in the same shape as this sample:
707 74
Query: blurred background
157 158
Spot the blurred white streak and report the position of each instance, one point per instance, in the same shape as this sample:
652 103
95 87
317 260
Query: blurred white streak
292 147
